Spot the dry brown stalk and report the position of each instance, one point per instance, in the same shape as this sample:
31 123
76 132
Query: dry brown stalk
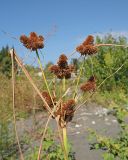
14 112
115 45
43 136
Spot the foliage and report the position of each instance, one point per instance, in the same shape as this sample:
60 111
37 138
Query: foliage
101 65
75 62
5 62
107 61
50 150
115 148
7 141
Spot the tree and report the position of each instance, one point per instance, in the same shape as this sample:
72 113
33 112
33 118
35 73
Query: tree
5 62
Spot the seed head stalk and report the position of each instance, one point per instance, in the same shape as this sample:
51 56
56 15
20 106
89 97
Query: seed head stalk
42 70
65 140
78 79
64 129
14 112
64 84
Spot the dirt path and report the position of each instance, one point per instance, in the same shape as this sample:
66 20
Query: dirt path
90 116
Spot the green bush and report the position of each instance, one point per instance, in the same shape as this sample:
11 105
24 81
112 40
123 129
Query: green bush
114 148
107 61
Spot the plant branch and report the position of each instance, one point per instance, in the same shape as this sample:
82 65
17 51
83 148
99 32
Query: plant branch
115 45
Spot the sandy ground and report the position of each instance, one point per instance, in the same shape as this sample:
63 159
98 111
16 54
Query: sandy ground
89 116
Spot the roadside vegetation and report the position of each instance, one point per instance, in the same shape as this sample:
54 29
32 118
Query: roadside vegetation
100 74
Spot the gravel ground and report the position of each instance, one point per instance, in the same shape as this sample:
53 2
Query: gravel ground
89 116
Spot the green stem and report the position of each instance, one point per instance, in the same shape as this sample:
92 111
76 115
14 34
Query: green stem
38 57
92 67
78 79
65 141
64 82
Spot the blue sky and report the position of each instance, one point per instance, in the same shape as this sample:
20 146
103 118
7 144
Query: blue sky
64 23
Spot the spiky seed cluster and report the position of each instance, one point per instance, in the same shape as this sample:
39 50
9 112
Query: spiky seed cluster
66 110
87 47
90 85
54 69
33 42
62 69
62 63
48 99
89 40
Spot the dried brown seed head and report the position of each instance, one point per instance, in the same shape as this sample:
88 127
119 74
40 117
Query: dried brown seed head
69 104
90 85
33 42
62 69
92 78
54 69
66 111
62 64
63 58
89 40
47 98
87 47
80 48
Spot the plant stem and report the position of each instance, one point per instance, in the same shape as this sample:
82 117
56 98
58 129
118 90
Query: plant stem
115 45
92 67
64 82
43 136
14 112
78 79
42 70
65 141
61 139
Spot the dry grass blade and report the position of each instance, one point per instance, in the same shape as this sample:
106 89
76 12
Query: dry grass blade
115 45
43 136
14 113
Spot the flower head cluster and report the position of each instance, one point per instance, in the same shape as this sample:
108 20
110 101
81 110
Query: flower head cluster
66 110
87 47
33 42
48 99
62 69
90 85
